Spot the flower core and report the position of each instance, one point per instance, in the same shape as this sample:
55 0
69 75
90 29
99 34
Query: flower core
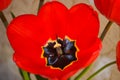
60 53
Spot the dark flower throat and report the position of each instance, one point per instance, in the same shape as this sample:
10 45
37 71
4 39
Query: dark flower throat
62 55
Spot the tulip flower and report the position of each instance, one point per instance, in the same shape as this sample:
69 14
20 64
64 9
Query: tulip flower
57 42
118 55
4 4
110 9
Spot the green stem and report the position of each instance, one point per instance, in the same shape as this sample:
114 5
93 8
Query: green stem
20 71
40 78
25 75
106 30
12 14
3 18
101 69
40 4
22 75
83 72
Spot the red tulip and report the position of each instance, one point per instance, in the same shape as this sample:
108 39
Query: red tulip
4 4
57 42
109 8
118 55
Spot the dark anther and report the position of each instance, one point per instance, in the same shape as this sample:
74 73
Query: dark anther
60 56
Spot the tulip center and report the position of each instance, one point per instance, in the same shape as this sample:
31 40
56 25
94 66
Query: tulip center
60 53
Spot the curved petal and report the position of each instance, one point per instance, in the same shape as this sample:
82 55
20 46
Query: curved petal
28 27
101 5
90 54
54 16
111 11
118 55
29 64
84 25
4 4
115 11
27 35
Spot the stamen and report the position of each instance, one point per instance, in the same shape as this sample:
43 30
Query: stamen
59 50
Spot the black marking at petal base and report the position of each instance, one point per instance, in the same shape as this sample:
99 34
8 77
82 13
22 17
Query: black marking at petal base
60 56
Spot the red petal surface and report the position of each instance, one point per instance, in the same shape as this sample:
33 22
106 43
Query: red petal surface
4 4
54 16
118 55
28 33
101 5
84 25
109 8
115 13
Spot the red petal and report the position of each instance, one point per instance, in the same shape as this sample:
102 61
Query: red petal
29 27
89 54
29 64
118 55
4 4
101 5
54 15
84 25
115 13
27 36
111 11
